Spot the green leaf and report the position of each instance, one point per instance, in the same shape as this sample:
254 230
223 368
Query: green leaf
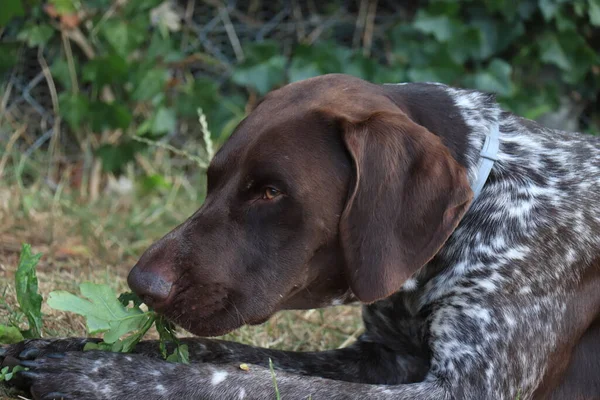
61 73
98 346
74 108
10 9
594 12
440 26
153 182
10 334
115 157
30 302
164 121
163 48
9 55
181 354
36 35
552 52
125 36
466 44
6 374
300 69
166 332
127 297
102 310
548 8
106 116
106 70
262 77
64 6
200 93
150 83
495 79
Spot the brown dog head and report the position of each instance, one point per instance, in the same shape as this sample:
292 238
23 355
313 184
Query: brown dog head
327 188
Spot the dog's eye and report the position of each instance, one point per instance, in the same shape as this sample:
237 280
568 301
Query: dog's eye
270 193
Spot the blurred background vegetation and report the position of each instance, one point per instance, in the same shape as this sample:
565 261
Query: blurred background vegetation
102 150
85 79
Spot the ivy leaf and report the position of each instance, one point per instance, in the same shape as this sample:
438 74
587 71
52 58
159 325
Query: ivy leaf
263 76
594 12
64 6
440 26
548 8
36 35
10 334
164 121
263 69
125 36
74 108
496 78
105 70
109 116
552 52
115 157
150 83
102 310
30 302
61 73
11 9
9 55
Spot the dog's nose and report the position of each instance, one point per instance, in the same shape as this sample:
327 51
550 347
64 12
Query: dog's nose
150 286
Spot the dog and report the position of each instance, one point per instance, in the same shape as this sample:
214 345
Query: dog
470 235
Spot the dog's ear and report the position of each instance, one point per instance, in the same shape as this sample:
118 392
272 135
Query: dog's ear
406 197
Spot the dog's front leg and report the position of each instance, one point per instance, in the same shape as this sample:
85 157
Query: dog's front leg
96 375
362 362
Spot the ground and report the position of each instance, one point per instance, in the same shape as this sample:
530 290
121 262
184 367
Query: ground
99 240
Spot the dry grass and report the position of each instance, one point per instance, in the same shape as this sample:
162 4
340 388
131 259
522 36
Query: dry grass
100 241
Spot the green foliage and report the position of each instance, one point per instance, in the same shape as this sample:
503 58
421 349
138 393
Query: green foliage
30 302
120 319
142 78
11 9
166 331
104 313
6 373
10 334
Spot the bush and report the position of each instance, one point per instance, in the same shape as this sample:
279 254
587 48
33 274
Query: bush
122 69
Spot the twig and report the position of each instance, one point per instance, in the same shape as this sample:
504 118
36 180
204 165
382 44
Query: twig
233 38
5 98
70 62
9 146
78 37
189 13
297 13
369 27
360 23
351 338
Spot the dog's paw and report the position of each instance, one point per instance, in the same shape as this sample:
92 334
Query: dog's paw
72 375
12 354
96 375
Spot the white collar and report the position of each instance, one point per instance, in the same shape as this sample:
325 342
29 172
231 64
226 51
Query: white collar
487 157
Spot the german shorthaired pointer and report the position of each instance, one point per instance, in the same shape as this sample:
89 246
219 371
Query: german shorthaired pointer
335 190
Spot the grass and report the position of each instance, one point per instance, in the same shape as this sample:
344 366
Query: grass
100 239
